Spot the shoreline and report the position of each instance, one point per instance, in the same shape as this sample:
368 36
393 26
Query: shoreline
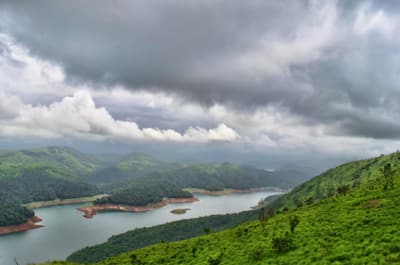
58 202
90 211
233 191
29 225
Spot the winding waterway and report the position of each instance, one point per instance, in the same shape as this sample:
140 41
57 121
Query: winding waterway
66 230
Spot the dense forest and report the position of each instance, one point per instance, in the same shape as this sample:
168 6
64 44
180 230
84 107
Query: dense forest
40 175
14 214
362 196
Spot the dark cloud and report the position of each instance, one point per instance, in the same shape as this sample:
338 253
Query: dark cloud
305 57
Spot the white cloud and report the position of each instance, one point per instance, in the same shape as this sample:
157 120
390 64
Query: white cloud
78 116
369 20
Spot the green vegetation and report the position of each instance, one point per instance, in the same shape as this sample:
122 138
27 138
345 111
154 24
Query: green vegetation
128 168
351 219
339 180
62 158
14 214
168 232
40 175
58 173
144 192
155 186
180 210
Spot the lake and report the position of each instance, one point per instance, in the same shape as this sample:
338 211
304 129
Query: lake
66 230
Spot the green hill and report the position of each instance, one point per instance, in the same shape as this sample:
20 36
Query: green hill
347 176
153 187
63 158
40 175
168 232
126 169
60 172
352 219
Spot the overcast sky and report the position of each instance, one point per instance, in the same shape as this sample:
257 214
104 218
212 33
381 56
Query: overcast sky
261 79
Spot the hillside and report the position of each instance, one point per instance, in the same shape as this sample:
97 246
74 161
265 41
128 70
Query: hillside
126 169
347 176
154 186
63 158
50 173
358 225
168 232
40 175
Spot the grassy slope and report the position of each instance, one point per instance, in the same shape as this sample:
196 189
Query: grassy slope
168 232
353 174
358 228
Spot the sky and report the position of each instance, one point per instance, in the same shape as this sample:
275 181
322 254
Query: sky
261 82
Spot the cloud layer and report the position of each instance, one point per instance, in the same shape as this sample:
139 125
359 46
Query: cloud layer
315 75
78 116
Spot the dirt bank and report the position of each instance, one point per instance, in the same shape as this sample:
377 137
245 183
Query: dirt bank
30 224
232 191
90 211
57 202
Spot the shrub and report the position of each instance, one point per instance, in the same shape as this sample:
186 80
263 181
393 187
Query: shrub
257 253
282 244
293 221
215 259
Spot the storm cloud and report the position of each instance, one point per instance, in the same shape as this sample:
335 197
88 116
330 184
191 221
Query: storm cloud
323 63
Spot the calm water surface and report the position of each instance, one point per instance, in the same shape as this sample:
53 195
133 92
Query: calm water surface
66 230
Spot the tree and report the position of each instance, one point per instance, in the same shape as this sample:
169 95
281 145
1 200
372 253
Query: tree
262 217
293 221
388 176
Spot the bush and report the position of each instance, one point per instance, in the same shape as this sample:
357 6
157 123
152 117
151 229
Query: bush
215 259
293 221
257 253
282 244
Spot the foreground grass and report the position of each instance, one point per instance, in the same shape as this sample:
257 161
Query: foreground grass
361 227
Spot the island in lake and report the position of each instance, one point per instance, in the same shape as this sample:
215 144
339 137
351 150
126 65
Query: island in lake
180 210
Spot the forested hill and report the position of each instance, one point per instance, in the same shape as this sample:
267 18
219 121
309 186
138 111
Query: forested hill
153 187
128 168
40 175
61 172
354 221
62 158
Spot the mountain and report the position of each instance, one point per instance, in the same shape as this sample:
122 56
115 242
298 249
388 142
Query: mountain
127 168
40 175
153 187
352 219
63 158
137 179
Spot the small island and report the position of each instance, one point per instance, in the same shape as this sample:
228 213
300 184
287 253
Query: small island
90 211
179 211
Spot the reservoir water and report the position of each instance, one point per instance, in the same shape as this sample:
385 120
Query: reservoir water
66 230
